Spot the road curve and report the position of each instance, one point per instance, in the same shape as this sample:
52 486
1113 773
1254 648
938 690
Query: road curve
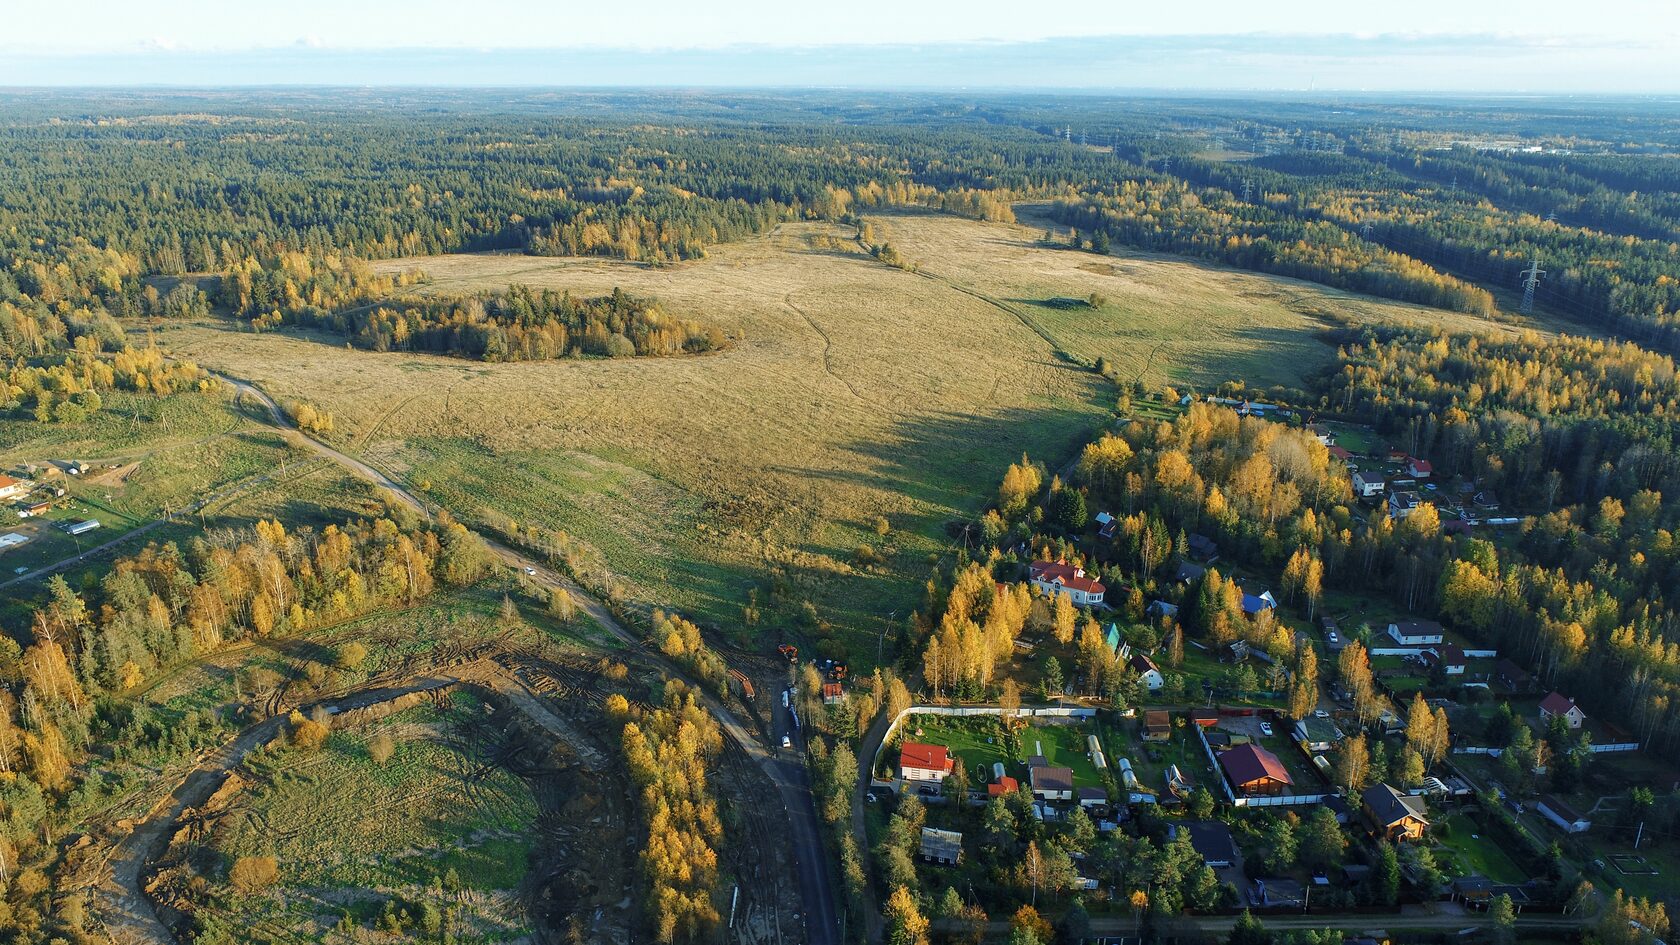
805 828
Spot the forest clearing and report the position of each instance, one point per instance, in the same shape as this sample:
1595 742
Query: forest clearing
857 394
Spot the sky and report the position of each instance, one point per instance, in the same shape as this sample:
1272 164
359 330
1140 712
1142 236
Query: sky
1619 46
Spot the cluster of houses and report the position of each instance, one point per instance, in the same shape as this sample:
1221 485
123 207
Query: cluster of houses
29 498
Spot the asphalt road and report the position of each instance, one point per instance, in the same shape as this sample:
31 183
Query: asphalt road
790 778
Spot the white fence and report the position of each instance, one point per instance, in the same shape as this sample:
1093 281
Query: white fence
965 711
1276 800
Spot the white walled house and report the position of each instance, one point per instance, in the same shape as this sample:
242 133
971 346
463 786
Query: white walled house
1054 577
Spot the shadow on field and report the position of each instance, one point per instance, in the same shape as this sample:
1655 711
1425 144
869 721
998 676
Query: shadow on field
952 462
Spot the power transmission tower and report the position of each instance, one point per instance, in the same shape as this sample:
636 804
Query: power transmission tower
1365 230
1454 193
1248 189
1531 279
1166 166
1551 217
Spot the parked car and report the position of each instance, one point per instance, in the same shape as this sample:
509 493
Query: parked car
1266 729
787 742
530 570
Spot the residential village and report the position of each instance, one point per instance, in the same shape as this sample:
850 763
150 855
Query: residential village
1419 770
40 519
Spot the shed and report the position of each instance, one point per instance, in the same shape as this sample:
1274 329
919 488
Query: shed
941 846
1567 818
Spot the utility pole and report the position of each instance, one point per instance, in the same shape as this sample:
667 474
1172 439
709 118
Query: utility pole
1531 278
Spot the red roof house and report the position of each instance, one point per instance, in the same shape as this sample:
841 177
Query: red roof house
1055 577
1558 705
1419 468
1002 787
920 762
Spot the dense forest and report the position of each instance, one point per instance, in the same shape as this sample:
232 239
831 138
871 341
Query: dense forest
280 195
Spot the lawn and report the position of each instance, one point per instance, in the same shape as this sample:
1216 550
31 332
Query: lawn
1065 746
972 740
1150 760
1467 850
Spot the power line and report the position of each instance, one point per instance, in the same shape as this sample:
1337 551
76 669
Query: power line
1531 278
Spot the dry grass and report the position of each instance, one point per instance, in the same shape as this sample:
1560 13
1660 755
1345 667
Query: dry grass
856 391
1166 319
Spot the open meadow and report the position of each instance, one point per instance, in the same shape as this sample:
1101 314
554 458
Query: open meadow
855 395
393 812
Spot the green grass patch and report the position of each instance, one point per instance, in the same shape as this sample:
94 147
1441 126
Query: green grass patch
1465 849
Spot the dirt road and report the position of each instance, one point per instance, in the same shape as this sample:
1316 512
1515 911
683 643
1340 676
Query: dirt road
804 827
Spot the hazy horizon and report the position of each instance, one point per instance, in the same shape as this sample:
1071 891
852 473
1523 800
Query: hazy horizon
1546 46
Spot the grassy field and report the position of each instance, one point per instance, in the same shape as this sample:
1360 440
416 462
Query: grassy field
351 832
1162 319
146 457
856 393
1466 850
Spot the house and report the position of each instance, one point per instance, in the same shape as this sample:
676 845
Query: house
1206 718
13 488
1054 577
833 693
941 846
1339 807
1203 548
1512 676
1052 783
1567 818
1188 571
1092 797
1278 892
1148 671
1340 455
919 762
1322 433
1106 525
1254 770
1448 656
33 509
1368 484
1394 815
1416 632
1316 734
1003 787
1397 455
1402 503
1157 725
1557 705
1418 468
1253 604
1113 639
1160 608
1486 499
1212 839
